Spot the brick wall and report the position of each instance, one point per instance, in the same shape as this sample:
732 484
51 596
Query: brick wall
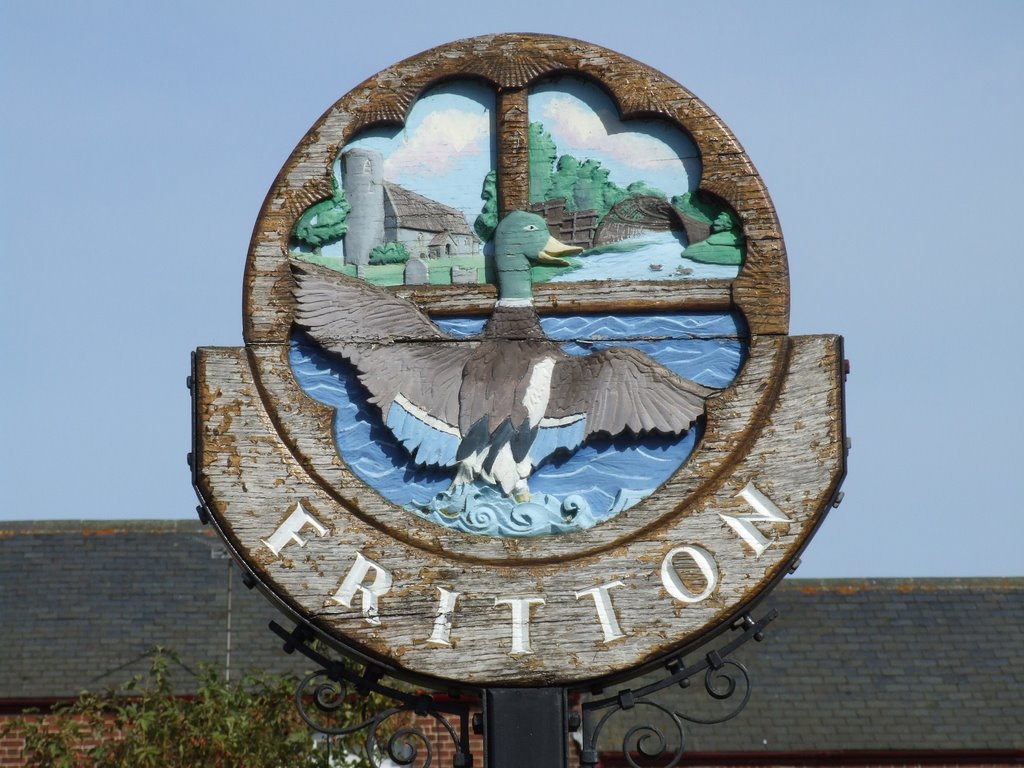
444 747
12 744
12 747
12 754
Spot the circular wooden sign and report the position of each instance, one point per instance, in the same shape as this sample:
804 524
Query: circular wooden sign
517 403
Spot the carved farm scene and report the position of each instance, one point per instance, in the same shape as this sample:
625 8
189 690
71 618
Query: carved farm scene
403 197
625 193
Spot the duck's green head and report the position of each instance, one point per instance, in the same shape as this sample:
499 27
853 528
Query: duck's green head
522 238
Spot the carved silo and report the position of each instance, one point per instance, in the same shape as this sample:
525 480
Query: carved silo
364 189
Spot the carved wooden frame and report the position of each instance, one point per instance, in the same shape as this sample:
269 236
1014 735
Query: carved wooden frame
262 443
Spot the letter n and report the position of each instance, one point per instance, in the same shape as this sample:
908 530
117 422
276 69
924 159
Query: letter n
765 511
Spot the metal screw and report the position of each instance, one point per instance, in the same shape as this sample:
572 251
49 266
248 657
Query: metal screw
478 723
838 500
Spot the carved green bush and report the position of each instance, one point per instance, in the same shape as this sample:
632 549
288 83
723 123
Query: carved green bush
726 244
325 222
487 221
389 253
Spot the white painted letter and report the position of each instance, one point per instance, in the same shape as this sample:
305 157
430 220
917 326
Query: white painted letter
674 585
605 611
354 583
443 621
289 530
520 620
765 511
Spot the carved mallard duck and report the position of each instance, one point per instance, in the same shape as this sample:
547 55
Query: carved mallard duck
498 404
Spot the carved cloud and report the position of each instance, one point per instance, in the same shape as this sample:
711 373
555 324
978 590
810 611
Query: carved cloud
436 144
574 124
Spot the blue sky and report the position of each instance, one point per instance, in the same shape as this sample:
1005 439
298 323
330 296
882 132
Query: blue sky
139 140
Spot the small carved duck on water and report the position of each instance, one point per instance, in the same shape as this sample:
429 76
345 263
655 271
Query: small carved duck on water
496 405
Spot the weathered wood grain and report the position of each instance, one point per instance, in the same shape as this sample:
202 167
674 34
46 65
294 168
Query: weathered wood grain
582 297
513 152
793 454
619 297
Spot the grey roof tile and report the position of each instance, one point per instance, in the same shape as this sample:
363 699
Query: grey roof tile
84 603
876 664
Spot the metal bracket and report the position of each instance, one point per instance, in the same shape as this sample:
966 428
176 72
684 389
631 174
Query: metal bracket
320 695
722 676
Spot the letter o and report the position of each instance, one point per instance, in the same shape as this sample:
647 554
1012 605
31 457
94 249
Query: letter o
674 585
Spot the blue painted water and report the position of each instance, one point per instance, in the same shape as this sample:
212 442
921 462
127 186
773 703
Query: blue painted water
655 256
568 492
697 325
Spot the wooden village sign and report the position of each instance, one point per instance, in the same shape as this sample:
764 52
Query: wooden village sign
517 405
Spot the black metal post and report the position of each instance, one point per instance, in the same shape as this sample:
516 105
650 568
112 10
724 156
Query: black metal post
525 728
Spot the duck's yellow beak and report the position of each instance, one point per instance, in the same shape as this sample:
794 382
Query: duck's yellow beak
555 248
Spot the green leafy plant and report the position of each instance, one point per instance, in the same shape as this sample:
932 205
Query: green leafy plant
325 222
487 221
725 244
249 724
389 253
583 184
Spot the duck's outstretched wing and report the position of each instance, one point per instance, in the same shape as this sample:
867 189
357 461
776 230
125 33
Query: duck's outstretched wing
415 384
345 310
621 389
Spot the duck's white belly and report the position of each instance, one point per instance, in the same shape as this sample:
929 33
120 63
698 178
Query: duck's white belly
538 390
505 472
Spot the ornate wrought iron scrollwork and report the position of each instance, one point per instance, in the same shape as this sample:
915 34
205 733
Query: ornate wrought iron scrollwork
320 697
723 679
327 696
648 739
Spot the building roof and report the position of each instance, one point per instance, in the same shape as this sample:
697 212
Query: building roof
439 239
886 664
878 664
414 211
83 603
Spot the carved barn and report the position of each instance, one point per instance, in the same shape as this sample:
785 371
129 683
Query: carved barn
426 227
